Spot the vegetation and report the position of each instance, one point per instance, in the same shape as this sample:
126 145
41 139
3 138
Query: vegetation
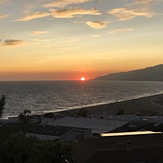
2 104
16 148
25 117
120 112
83 112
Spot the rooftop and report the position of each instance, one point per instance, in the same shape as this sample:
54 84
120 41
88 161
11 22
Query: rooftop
97 125
121 149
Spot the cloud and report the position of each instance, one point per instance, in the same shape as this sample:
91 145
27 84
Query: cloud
70 13
97 24
34 16
63 3
11 42
136 8
122 30
144 1
95 36
127 14
3 16
65 13
38 32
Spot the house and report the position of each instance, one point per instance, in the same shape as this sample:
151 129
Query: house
97 126
59 133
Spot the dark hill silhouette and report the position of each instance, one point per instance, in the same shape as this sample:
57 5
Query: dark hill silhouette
154 73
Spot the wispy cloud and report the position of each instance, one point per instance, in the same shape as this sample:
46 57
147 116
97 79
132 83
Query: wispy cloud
38 32
63 3
3 16
70 13
138 8
11 42
95 36
34 16
65 13
97 24
127 14
144 1
121 30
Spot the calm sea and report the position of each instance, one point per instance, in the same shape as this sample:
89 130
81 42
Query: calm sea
45 96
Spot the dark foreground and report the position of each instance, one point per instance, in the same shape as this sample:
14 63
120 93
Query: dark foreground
122 149
16 147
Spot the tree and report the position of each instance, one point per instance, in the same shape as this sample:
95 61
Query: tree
27 112
16 148
120 112
83 112
2 104
24 119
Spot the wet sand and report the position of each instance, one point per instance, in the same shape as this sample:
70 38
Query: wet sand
141 106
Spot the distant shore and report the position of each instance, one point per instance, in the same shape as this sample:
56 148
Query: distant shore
142 106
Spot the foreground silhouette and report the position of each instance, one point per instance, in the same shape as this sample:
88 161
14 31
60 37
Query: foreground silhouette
2 104
16 148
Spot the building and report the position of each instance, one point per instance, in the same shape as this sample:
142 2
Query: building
144 148
97 126
59 133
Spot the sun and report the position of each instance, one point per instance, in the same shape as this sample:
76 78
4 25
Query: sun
82 78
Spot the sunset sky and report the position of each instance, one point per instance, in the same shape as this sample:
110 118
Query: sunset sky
67 39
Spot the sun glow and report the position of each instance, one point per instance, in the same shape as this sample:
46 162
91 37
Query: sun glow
82 78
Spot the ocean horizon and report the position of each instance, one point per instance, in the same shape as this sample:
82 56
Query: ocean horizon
52 96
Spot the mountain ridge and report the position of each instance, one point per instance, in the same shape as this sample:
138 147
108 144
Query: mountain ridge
153 73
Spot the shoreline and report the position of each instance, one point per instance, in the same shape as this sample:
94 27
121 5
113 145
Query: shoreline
137 106
142 106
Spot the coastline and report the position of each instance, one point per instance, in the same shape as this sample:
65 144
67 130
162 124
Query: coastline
148 105
141 106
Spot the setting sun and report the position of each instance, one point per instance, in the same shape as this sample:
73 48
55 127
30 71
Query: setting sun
82 78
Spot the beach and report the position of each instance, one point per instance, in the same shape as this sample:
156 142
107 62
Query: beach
140 106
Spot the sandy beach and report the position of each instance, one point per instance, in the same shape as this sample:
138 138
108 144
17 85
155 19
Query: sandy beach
142 106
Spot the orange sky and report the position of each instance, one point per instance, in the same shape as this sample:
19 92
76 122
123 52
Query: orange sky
64 40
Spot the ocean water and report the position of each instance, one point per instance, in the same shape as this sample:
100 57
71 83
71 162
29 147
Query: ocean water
46 96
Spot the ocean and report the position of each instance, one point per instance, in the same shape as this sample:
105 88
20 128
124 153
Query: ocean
47 96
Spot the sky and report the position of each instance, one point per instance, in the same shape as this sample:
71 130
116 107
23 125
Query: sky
68 39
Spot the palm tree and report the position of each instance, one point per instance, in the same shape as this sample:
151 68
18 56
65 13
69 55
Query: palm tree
24 117
27 112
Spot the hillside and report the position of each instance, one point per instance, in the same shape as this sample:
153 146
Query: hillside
154 73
